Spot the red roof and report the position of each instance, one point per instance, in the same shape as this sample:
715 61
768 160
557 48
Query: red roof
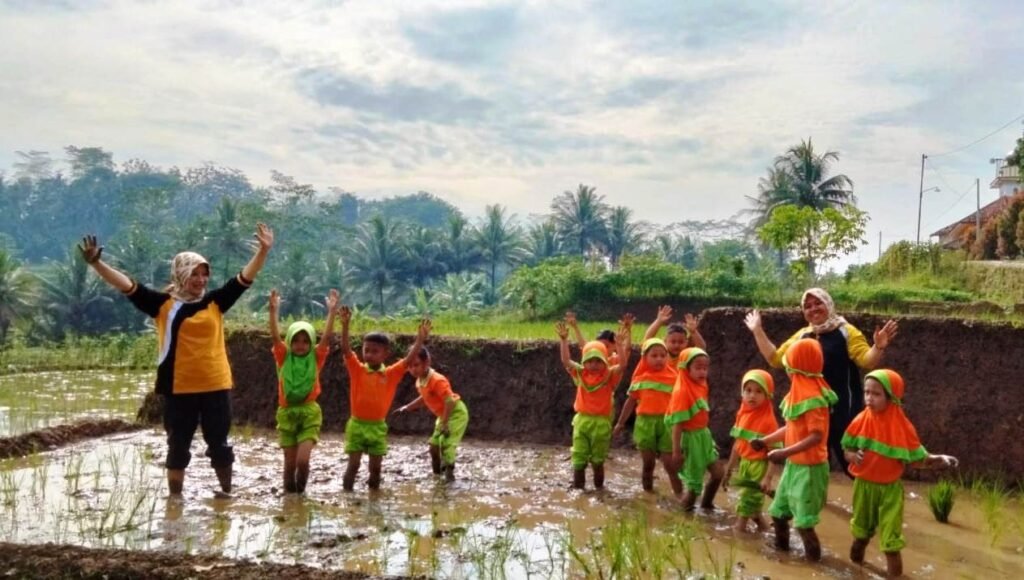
987 212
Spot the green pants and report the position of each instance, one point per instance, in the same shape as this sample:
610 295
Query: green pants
457 422
801 494
650 433
369 437
750 474
591 438
700 453
299 423
878 506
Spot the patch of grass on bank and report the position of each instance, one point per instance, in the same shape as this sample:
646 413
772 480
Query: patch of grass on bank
127 351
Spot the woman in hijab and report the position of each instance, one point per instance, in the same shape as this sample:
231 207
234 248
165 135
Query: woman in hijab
846 352
192 372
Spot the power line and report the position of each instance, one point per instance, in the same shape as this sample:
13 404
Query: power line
958 200
975 142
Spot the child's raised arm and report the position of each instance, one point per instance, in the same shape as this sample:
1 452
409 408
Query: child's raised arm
345 313
571 322
693 328
663 318
272 307
332 306
563 336
421 337
624 339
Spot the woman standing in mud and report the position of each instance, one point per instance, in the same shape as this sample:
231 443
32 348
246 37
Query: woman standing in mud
846 352
192 369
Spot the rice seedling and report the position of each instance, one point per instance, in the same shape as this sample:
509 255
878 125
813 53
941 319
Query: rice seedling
941 498
993 507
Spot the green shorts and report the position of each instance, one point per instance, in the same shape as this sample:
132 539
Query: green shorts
750 474
457 422
801 494
591 438
366 437
650 433
699 453
878 506
299 423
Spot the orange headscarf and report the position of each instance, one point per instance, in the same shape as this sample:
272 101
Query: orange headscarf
889 433
808 390
755 422
689 397
592 380
646 378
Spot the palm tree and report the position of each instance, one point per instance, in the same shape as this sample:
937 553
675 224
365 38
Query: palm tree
800 177
377 259
17 289
624 236
543 242
500 241
297 281
425 250
580 219
460 250
229 241
69 295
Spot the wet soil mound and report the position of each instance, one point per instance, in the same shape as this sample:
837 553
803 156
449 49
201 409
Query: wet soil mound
963 384
49 561
53 437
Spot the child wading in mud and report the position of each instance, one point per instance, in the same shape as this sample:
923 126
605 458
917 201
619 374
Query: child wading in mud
595 382
452 415
755 419
879 442
372 388
693 449
299 417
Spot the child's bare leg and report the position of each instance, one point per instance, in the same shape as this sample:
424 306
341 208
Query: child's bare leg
894 564
598 475
740 527
302 453
289 469
435 459
579 478
175 481
716 471
673 475
689 500
354 459
375 466
857 550
647 477
812 546
760 522
781 526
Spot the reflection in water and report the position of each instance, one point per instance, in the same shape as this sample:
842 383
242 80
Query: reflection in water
511 513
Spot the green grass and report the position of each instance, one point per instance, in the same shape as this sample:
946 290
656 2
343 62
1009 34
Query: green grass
128 351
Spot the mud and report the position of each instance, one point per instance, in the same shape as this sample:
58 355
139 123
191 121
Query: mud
59 562
962 384
53 437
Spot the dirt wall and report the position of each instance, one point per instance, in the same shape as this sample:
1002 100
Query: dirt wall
964 384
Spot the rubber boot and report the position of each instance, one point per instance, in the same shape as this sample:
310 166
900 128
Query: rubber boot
857 550
175 481
894 564
579 478
224 477
812 546
781 534
599 476
449 473
689 500
435 460
647 479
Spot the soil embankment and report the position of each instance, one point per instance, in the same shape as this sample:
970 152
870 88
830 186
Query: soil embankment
963 384
53 437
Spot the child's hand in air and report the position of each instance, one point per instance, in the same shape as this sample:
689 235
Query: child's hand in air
332 300
562 330
570 319
627 320
345 314
664 315
691 322
424 330
275 300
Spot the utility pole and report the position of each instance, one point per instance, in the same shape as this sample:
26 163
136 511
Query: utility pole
977 215
920 198
879 244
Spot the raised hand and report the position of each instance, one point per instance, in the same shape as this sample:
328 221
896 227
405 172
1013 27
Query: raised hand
753 320
562 330
627 320
424 330
332 300
90 249
345 314
275 300
691 322
885 334
570 318
264 237
665 314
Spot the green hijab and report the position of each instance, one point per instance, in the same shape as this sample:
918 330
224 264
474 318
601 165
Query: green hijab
298 373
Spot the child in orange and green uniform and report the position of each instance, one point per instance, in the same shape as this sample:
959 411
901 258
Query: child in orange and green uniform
595 382
452 415
878 444
372 388
693 449
606 337
649 393
804 483
754 419
299 417
678 335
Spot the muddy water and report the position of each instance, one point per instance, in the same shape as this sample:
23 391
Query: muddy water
31 401
509 515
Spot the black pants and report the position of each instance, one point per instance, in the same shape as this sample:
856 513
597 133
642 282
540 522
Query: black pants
837 424
183 413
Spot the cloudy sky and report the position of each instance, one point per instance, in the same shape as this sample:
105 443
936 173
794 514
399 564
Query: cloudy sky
673 108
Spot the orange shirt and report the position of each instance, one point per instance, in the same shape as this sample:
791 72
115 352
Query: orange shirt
877 468
801 428
701 419
652 390
280 351
371 392
650 401
595 399
435 391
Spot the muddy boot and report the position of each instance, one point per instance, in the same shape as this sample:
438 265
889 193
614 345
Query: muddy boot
781 534
599 476
707 502
224 477
894 564
812 547
579 478
435 460
689 500
449 473
857 550
175 481
647 480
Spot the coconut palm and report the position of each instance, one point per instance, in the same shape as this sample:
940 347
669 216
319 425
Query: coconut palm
17 290
542 242
426 254
624 235
460 250
70 296
800 177
229 241
579 218
500 241
377 260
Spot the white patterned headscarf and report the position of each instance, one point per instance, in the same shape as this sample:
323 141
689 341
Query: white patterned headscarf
833 321
182 267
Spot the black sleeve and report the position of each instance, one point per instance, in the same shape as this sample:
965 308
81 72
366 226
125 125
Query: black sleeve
226 296
146 299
